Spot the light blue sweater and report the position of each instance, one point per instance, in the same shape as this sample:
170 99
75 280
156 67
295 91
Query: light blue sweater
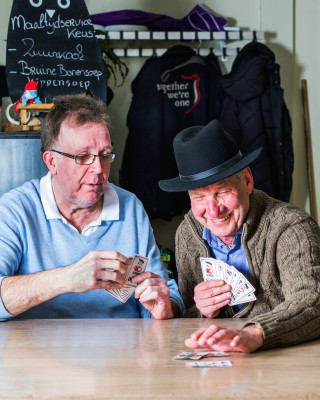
30 243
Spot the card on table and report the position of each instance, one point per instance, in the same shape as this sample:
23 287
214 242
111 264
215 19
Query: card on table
201 364
187 355
137 266
241 288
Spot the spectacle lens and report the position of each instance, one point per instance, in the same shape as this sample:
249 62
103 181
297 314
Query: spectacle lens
86 159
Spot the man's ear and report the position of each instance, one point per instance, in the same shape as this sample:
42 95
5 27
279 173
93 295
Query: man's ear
248 180
50 162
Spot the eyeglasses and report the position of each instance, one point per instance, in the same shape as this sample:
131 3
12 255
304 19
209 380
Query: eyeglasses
87 159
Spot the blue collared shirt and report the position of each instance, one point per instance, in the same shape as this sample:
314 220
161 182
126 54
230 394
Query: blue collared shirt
234 255
35 239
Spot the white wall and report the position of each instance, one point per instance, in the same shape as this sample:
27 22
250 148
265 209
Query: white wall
307 62
4 21
292 32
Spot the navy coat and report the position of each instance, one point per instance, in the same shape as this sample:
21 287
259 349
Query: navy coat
254 112
170 93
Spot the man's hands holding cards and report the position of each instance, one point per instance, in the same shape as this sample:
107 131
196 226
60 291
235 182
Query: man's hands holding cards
99 269
210 296
154 294
137 266
151 290
223 284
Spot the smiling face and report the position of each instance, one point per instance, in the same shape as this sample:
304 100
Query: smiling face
79 186
222 207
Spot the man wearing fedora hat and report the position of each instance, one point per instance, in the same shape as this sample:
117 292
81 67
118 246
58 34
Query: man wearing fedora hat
275 245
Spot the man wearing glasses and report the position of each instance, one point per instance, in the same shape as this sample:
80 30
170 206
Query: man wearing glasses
71 233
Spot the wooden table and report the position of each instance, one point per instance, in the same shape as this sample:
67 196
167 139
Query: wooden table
132 359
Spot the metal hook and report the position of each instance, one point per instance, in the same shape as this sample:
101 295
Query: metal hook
198 47
224 50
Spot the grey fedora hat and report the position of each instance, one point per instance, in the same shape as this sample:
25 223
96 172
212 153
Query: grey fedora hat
205 155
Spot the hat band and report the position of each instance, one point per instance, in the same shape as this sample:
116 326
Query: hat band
212 171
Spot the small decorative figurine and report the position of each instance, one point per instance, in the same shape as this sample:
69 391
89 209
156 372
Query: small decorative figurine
30 95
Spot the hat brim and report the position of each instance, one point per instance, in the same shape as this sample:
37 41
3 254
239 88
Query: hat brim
179 185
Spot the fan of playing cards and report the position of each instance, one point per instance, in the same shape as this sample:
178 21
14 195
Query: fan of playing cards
241 288
138 265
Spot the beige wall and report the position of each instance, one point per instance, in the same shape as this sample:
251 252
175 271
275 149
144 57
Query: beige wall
291 31
307 62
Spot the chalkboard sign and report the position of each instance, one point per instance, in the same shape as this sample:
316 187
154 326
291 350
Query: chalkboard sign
53 43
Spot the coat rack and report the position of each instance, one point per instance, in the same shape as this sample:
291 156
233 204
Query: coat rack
222 37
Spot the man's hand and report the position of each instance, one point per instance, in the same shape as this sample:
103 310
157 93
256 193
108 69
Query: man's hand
154 294
216 338
99 269
210 296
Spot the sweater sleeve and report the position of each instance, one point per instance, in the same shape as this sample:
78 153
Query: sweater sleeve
11 249
296 269
186 267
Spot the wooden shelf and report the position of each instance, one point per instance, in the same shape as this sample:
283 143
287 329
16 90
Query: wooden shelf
31 107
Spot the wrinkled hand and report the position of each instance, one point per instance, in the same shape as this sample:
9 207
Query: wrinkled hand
154 294
210 296
99 269
216 338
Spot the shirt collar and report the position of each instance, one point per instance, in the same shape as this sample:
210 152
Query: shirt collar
110 209
214 240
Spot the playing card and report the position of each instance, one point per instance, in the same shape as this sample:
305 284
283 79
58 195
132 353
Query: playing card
242 291
241 288
201 364
209 270
187 355
183 356
246 299
249 297
240 282
138 265
222 270
236 275
208 354
229 274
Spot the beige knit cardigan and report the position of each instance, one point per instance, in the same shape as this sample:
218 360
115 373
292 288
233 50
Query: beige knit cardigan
282 245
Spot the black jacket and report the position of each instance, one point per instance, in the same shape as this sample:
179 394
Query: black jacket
254 112
170 93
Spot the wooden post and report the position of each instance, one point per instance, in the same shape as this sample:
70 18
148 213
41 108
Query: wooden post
312 200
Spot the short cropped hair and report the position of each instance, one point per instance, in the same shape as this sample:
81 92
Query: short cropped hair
79 109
